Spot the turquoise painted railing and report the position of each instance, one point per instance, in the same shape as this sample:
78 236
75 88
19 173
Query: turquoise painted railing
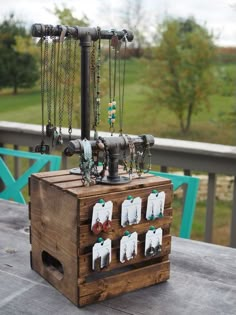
12 187
190 199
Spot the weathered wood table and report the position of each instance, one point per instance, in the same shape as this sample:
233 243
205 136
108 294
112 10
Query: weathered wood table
203 279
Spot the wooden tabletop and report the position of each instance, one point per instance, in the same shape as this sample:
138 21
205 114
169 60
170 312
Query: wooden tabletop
203 279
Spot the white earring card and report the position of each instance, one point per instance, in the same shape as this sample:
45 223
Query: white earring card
101 251
102 211
155 205
128 247
153 241
131 211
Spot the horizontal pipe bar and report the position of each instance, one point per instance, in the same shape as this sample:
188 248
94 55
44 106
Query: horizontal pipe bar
40 30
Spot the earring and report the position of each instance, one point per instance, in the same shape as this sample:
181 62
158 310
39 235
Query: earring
127 218
97 263
152 213
158 247
107 224
150 251
134 251
136 216
125 254
97 227
107 259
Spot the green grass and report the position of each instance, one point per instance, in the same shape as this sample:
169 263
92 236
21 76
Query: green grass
142 116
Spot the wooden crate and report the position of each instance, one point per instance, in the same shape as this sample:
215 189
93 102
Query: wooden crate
60 211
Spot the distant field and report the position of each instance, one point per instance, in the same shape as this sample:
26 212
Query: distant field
210 125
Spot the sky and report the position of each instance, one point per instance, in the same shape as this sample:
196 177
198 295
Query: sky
219 16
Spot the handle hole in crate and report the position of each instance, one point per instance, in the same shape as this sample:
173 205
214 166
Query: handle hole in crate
53 265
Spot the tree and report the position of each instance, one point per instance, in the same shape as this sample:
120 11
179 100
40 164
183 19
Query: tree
17 69
66 17
134 18
181 74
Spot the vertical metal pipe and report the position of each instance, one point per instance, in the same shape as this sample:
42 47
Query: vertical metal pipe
210 206
85 44
233 221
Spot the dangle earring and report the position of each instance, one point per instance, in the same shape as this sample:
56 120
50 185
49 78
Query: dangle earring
152 217
150 251
133 251
158 247
97 263
160 215
127 218
136 216
107 258
107 225
97 227
125 258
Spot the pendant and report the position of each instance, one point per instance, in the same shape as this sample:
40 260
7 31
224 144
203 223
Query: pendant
107 225
49 130
42 148
97 227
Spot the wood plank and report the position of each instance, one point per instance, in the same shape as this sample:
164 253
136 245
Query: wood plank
87 238
51 173
85 261
122 283
63 178
99 189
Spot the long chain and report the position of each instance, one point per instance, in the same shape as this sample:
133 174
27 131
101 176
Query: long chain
69 71
123 87
93 74
42 46
114 42
98 76
95 69
50 62
56 53
60 100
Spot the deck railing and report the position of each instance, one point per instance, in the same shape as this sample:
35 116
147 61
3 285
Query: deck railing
188 156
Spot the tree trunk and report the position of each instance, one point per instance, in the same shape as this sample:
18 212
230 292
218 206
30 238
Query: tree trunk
15 88
189 116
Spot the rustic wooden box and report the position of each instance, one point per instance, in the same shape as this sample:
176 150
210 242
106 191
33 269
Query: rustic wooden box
60 211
